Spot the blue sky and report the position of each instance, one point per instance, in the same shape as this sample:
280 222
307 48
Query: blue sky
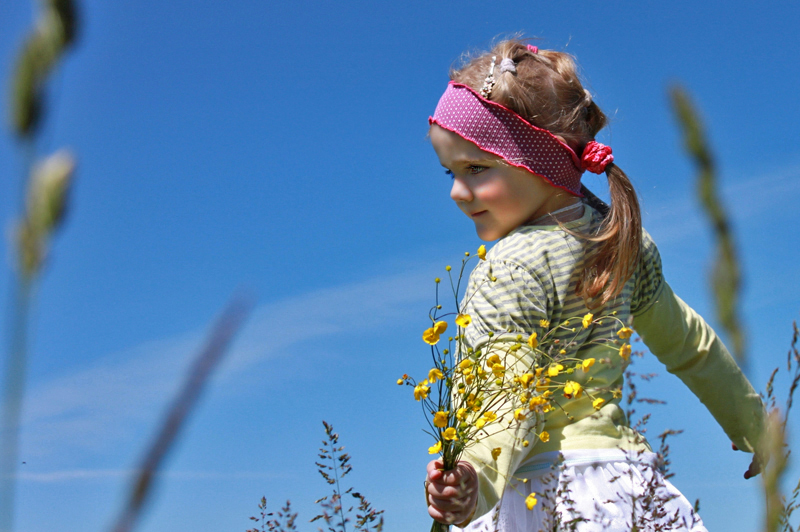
281 148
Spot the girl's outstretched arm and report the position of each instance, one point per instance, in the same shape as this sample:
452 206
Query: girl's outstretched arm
452 495
690 349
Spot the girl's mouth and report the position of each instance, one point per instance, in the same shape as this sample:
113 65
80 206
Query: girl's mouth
476 214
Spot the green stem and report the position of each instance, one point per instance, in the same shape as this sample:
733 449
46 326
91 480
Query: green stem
338 488
439 527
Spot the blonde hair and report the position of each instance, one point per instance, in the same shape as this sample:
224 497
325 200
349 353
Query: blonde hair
546 91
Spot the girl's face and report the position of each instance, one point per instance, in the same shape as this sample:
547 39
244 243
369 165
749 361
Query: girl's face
497 197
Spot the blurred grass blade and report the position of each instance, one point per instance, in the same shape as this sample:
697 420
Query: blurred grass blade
13 394
55 30
45 207
66 17
774 446
726 277
220 338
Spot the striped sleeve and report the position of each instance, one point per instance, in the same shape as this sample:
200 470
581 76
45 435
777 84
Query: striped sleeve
648 277
504 298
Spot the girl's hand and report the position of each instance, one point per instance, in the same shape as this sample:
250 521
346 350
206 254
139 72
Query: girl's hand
452 495
755 465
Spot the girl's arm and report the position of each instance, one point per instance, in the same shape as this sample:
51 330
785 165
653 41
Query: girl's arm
691 350
514 303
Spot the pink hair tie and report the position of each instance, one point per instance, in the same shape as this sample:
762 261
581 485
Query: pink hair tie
533 49
596 157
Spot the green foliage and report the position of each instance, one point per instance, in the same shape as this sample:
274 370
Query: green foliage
333 466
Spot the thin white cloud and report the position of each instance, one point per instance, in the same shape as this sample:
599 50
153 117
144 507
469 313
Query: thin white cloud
71 475
745 199
119 398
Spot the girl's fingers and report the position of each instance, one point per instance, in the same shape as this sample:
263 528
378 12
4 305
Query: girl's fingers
435 470
449 504
448 511
445 491
462 474
754 469
442 517
451 494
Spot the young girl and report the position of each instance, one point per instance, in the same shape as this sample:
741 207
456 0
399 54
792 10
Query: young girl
515 129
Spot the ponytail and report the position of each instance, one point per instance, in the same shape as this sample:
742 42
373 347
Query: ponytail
619 238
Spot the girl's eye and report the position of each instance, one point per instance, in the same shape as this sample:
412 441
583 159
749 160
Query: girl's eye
475 169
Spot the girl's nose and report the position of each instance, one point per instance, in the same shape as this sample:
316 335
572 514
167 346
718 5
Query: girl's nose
460 191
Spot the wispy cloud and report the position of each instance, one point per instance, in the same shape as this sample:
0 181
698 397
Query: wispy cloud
120 396
745 199
70 475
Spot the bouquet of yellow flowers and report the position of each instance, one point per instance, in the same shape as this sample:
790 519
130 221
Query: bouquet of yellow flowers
470 394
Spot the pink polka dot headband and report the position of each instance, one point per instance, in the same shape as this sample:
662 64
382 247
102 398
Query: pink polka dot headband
502 132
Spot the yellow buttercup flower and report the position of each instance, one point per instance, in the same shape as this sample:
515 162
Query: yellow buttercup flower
572 389
625 333
588 363
492 360
463 320
482 252
400 382
440 419
499 370
434 375
465 364
421 391
439 327
554 369
449 434
461 414
436 448
587 320
526 379
533 342
519 415
496 452
544 436
430 337
530 501
537 401
625 351
597 403
480 423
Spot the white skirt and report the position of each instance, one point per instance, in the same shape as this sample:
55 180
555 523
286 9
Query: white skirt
591 490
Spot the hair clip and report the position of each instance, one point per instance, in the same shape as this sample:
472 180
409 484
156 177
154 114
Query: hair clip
533 49
489 82
508 65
